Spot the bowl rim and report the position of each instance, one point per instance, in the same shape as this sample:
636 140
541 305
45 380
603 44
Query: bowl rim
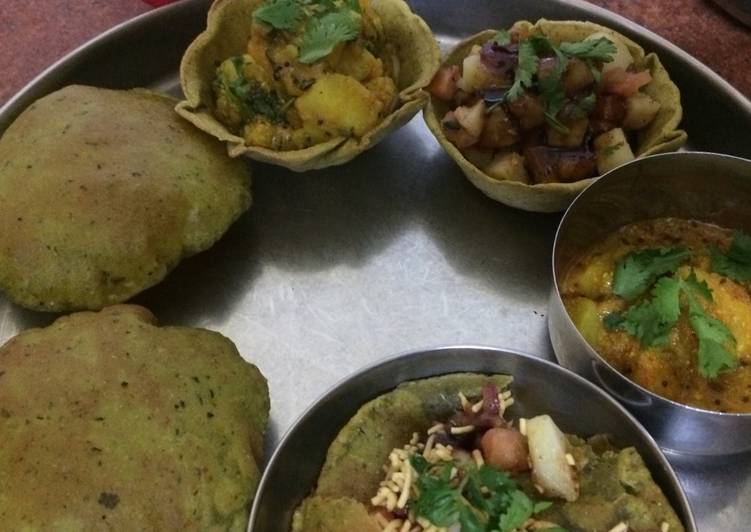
492 351
592 189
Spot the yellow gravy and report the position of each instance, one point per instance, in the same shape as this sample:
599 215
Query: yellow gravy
671 370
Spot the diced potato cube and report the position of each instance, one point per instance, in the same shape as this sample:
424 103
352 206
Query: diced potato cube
576 77
528 109
475 75
612 150
591 278
384 90
259 132
622 58
309 134
339 104
507 166
547 452
641 109
572 138
357 62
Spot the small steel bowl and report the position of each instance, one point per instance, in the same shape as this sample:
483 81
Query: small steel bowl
539 387
703 186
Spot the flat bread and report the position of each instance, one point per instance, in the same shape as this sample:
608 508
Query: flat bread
103 192
111 422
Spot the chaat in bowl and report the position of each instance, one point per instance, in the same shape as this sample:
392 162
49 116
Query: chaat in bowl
534 113
306 84
471 439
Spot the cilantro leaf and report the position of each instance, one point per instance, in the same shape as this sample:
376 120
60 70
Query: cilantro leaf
503 37
651 321
613 321
697 287
713 337
601 49
354 5
728 267
596 74
322 34
419 463
439 502
740 247
638 270
495 480
551 90
520 508
478 499
469 520
526 68
280 14
736 264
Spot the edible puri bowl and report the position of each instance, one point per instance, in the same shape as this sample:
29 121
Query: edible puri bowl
539 387
703 186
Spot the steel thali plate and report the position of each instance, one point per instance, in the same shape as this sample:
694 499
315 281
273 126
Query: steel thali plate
332 270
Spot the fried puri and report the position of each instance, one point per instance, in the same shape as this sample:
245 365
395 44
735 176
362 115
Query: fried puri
103 192
111 422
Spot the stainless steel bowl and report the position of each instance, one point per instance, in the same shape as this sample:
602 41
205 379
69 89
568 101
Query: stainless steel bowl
539 387
703 186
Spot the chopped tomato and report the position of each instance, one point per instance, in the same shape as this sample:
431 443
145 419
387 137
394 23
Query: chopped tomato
624 83
443 85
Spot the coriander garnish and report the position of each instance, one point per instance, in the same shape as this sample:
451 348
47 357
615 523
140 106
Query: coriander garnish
281 14
322 24
736 263
478 499
652 320
636 272
551 89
